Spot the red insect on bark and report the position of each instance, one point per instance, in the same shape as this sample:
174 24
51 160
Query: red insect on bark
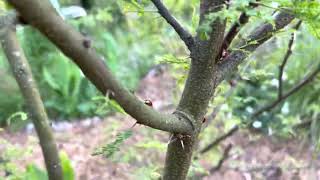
148 103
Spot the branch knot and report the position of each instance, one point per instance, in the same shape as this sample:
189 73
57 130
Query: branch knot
184 116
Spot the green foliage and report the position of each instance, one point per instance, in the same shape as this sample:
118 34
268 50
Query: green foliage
9 155
133 5
175 61
65 91
258 85
12 153
105 105
109 149
18 115
308 11
152 144
35 173
147 173
67 169
8 88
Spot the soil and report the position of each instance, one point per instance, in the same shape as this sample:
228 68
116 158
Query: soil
251 157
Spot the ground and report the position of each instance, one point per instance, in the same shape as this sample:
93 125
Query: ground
142 155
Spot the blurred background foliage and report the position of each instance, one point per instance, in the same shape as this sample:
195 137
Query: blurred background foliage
131 37
128 42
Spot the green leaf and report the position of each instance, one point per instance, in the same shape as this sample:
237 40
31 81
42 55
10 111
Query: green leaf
49 79
116 106
132 5
152 144
35 173
22 115
67 169
109 149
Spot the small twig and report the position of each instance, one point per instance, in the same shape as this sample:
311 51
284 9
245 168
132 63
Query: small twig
219 139
259 168
306 80
234 30
285 60
224 157
303 124
183 33
267 6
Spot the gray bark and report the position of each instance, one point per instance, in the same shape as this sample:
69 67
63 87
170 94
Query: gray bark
22 72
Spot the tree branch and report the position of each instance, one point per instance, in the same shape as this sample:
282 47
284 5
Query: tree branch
257 37
22 72
41 15
185 36
234 30
285 59
224 157
306 80
220 139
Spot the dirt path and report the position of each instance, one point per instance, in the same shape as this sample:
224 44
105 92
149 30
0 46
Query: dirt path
142 155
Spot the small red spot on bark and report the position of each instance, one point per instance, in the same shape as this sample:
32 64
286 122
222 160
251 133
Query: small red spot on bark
148 102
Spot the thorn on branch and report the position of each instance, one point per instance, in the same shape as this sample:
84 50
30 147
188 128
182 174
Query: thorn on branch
179 137
134 124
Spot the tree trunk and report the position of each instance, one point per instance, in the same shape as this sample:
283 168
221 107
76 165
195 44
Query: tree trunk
198 91
23 75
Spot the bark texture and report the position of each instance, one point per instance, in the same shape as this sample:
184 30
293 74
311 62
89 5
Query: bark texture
197 93
22 72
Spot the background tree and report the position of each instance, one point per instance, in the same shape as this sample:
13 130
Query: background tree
22 72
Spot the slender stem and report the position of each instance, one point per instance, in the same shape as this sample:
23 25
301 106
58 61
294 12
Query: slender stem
224 157
219 139
306 80
22 72
185 36
259 35
285 60
234 30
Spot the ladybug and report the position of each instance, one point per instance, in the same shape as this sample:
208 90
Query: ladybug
148 102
